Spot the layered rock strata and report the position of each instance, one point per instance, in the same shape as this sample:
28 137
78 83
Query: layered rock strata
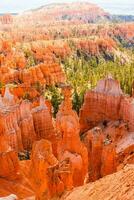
69 145
106 103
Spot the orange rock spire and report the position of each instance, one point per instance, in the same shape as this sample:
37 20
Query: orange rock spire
70 146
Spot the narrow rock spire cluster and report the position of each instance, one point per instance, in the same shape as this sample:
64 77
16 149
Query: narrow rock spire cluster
68 151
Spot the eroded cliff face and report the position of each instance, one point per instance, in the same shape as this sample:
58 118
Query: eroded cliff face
101 104
110 143
9 127
106 103
66 152
101 154
21 124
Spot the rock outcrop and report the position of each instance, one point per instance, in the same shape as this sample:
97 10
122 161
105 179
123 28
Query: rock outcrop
9 165
26 125
101 104
125 150
101 154
106 103
42 159
69 145
63 156
9 128
21 124
43 124
108 159
48 74
93 140
110 144
116 186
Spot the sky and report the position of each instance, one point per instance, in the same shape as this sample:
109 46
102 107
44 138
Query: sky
112 6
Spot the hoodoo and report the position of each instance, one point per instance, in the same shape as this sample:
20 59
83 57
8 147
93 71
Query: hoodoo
69 145
66 103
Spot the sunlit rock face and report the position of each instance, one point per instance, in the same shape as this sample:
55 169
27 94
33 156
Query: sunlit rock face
52 73
49 177
125 150
9 165
122 140
115 130
12 178
108 159
101 154
127 112
106 103
42 162
110 144
46 74
26 125
43 124
109 86
9 128
93 140
100 104
62 155
69 145
21 124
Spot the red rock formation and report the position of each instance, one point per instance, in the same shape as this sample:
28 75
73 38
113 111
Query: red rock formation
43 124
53 73
126 111
97 46
108 159
93 140
101 157
105 103
125 150
69 144
15 182
109 146
9 165
9 128
115 130
48 176
112 111
49 74
100 104
26 125
42 159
